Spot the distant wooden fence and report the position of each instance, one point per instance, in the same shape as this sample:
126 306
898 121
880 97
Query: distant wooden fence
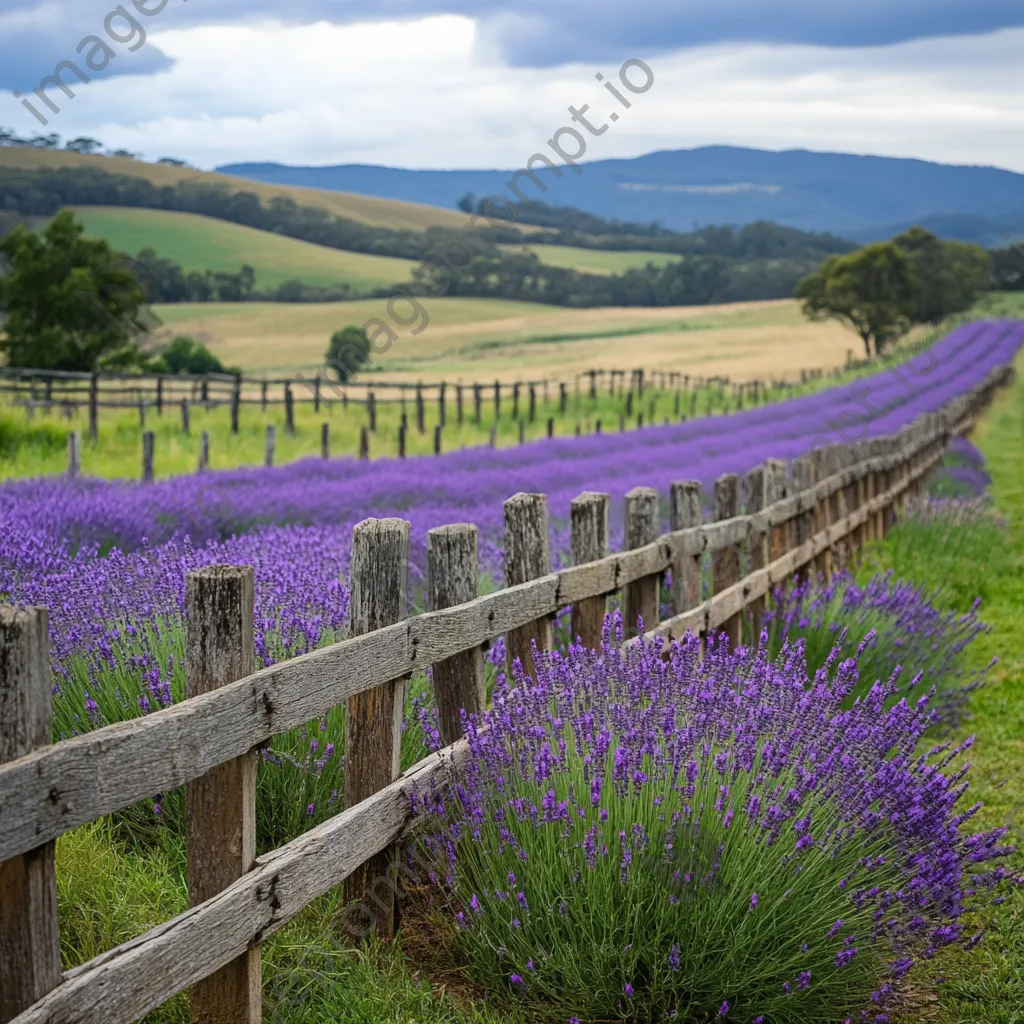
813 513
67 392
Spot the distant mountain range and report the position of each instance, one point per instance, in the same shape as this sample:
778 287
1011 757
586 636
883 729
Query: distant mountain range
859 197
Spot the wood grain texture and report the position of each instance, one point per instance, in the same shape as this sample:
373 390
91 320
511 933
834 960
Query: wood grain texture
725 566
269 444
641 598
527 557
685 513
589 529
379 580
453 578
51 791
29 941
220 822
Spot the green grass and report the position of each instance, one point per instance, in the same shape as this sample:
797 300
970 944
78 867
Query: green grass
595 261
203 243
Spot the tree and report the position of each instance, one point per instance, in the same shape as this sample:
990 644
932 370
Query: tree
186 355
949 274
71 303
871 290
348 351
83 144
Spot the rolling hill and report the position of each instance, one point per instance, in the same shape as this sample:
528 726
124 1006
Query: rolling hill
594 261
203 243
859 197
376 212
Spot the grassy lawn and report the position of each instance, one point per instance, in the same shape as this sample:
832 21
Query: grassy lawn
596 261
203 243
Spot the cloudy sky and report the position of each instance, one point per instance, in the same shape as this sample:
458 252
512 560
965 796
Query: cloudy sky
483 83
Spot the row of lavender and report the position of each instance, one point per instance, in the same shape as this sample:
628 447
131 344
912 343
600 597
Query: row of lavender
294 524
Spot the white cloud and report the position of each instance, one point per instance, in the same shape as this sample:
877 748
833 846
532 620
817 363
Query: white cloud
431 92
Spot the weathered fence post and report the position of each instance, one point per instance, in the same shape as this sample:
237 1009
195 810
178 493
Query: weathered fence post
684 513
147 457
775 486
522 431
220 824
527 557
453 578
725 565
159 396
497 400
757 501
269 444
492 439
641 598
379 579
29 942
289 410
74 453
589 515
236 402
263 396
533 403
420 412
204 451
563 398
316 393
142 412
515 401
325 440
458 404
442 405
94 408
551 426
186 418
364 443
401 440
803 481
371 411
437 439
477 403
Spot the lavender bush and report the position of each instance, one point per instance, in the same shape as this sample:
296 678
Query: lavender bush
900 633
642 835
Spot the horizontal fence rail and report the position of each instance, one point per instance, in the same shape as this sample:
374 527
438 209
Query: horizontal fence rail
815 516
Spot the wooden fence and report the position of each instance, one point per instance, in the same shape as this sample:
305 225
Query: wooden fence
67 392
812 514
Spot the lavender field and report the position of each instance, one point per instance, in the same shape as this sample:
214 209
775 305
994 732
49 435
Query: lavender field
739 762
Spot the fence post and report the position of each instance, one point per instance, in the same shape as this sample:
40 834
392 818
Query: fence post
442 411
477 402
641 599
94 408
453 578
493 437
775 486
269 444
263 396
458 403
527 557
757 501
325 440
685 512
589 515
29 942
186 419
515 401
147 457
533 403
74 453
803 481
497 400
316 393
236 402
142 412
725 565
563 398
401 440
420 425
289 410
159 396
551 426
364 443
220 824
437 439
204 451
379 578
522 431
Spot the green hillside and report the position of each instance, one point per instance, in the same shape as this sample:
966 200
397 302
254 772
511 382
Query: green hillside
595 261
202 243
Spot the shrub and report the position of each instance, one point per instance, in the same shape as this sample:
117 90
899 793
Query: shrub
643 834
901 635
